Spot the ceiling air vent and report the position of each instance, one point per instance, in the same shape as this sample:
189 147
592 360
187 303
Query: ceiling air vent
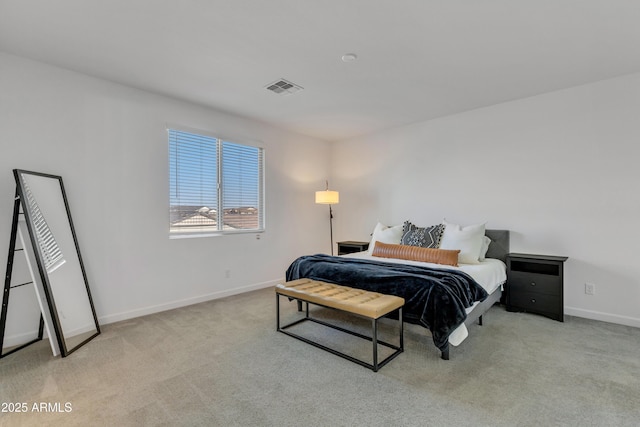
283 87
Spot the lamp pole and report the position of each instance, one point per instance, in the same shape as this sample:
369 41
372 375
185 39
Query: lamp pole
331 227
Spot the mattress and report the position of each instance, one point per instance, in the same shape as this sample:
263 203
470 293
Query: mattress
491 274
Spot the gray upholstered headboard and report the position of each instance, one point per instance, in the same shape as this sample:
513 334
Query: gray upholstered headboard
499 247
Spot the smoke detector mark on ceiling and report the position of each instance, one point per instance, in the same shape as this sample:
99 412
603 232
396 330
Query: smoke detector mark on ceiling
349 57
283 87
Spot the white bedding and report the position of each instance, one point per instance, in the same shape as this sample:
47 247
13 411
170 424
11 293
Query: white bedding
491 274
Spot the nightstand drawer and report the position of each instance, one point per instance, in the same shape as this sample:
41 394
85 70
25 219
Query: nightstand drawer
535 302
532 282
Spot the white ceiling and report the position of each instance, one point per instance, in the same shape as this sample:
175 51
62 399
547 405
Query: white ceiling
417 60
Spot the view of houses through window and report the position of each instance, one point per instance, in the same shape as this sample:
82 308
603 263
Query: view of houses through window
216 186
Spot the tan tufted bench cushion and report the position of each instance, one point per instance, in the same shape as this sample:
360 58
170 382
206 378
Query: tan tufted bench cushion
371 305
365 303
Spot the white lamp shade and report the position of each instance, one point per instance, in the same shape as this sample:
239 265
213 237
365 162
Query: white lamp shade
327 197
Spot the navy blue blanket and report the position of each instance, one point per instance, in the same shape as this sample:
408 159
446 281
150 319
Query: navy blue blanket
434 298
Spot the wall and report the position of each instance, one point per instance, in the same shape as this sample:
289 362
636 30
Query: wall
109 144
559 170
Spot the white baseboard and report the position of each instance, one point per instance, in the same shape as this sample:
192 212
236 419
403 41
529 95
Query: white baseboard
112 318
603 317
10 341
18 339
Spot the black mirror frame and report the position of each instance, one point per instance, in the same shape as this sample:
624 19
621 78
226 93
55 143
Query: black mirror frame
64 351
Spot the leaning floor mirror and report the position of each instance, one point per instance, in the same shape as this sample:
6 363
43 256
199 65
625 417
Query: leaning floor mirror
58 271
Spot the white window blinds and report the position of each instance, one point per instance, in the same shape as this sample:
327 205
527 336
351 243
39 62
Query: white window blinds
215 186
49 249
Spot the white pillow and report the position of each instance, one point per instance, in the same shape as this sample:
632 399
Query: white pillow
485 247
385 234
468 239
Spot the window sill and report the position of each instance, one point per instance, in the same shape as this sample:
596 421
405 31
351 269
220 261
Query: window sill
200 234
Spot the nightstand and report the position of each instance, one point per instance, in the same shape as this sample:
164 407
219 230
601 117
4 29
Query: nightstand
535 284
350 246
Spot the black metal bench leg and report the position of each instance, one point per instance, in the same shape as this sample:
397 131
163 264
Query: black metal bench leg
374 324
445 353
277 311
401 329
480 320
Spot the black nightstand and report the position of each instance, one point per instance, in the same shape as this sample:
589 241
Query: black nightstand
535 284
350 246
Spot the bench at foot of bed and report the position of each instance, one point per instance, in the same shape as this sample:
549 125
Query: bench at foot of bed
369 305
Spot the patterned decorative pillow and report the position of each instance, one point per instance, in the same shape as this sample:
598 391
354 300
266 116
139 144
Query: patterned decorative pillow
426 237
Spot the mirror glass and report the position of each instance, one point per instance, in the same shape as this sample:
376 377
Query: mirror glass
58 257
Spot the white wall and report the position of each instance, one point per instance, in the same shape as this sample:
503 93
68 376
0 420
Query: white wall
109 144
559 170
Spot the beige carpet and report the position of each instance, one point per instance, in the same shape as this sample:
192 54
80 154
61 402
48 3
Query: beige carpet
222 363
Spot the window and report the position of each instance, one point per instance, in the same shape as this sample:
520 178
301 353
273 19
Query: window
216 186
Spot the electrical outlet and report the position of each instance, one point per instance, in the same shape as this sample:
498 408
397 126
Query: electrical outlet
589 289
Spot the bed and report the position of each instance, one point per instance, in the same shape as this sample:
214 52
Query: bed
444 299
